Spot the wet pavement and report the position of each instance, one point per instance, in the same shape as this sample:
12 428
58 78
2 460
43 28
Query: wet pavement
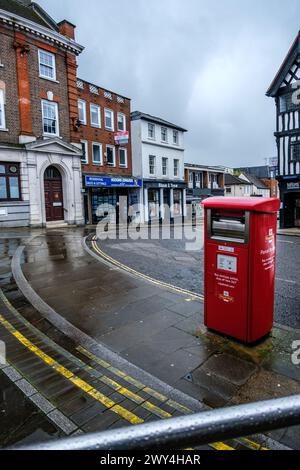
158 329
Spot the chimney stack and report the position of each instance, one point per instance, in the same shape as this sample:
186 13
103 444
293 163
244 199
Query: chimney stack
66 29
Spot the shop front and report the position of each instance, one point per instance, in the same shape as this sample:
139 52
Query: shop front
161 197
290 202
114 198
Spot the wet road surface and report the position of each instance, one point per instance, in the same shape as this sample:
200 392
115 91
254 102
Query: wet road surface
168 261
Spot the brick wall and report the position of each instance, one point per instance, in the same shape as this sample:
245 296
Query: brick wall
103 136
38 87
9 77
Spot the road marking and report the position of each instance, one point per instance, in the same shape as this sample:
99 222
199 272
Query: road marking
159 396
83 385
285 280
221 446
124 267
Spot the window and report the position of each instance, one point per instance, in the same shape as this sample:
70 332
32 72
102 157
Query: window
175 137
295 152
10 182
123 157
82 111
47 65
151 131
109 119
110 155
164 134
85 150
50 118
97 153
2 110
176 167
151 164
121 122
95 115
164 166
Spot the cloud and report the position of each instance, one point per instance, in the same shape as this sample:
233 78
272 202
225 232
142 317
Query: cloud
203 64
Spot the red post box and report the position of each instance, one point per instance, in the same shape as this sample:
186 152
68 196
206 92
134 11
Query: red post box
240 259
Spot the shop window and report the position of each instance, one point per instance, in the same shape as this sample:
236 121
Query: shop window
177 202
10 182
153 203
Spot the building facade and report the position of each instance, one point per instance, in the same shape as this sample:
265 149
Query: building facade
40 156
158 159
266 174
104 131
285 90
236 187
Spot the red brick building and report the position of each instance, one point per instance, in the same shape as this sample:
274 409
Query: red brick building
104 117
40 155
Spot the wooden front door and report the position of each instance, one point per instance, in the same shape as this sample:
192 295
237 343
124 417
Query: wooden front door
53 195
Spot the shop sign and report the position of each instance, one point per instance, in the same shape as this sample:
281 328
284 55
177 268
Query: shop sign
100 182
293 186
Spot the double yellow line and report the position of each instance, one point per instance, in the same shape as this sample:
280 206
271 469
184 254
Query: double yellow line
145 277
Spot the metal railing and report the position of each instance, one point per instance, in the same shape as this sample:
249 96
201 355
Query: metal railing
196 429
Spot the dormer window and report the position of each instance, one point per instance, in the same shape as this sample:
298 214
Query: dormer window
47 68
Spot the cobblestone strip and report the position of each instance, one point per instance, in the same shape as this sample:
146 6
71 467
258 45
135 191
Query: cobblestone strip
44 405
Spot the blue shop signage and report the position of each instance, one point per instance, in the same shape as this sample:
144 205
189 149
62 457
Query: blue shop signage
104 182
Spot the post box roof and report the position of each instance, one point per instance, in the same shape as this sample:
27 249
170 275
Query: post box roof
255 204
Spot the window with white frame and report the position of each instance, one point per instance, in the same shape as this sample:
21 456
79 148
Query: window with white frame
95 115
164 165
151 165
97 153
47 68
121 122
175 137
82 111
109 119
176 167
85 151
50 118
164 134
123 157
151 130
110 155
2 110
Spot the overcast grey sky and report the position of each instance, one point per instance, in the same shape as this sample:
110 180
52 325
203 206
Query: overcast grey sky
202 64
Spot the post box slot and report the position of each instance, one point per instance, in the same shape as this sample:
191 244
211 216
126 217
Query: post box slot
228 226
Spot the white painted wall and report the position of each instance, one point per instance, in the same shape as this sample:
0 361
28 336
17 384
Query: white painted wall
142 147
